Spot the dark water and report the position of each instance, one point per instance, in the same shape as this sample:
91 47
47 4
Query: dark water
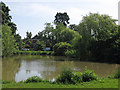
19 68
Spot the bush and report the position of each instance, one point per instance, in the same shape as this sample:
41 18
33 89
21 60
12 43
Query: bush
88 75
33 79
5 82
77 77
61 48
65 76
117 74
68 77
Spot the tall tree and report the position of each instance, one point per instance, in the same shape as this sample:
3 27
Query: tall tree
73 27
62 18
101 27
28 35
97 31
18 40
48 34
6 18
8 41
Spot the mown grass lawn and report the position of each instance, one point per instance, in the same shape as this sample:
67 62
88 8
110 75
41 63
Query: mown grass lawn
104 83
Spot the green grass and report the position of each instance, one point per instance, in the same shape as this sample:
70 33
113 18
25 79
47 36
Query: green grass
104 83
67 79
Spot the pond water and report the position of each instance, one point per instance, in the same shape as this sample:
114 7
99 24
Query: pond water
19 68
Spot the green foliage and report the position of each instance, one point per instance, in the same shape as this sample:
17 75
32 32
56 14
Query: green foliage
117 74
70 53
6 82
28 44
100 27
73 27
65 76
32 52
47 35
34 79
62 18
6 18
68 77
18 41
77 77
98 34
66 35
8 41
61 48
40 45
81 48
88 75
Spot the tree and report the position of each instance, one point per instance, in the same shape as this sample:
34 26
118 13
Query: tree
100 27
40 35
62 18
73 27
48 36
18 41
47 33
6 18
67 35
8 41
97 32
40 45
61 48
29 35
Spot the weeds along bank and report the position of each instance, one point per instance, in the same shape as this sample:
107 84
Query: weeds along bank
32 52
69 79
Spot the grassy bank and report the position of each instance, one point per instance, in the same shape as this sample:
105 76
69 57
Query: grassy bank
68 79
104 83
32 52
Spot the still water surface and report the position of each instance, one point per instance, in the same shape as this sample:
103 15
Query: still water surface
19 68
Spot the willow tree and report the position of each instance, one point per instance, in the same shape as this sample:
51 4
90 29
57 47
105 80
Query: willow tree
96 29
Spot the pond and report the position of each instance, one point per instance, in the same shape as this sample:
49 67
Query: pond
19 68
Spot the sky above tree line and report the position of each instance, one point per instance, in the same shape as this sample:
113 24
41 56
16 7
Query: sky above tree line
31 15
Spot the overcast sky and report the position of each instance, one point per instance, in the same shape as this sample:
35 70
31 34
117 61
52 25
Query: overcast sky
31 15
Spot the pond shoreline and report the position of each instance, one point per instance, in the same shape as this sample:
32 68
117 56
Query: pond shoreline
51 53
48 66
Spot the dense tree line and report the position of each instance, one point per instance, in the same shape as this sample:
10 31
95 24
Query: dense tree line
10 40
96 37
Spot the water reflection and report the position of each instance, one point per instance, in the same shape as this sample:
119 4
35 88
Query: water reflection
48 67
41 68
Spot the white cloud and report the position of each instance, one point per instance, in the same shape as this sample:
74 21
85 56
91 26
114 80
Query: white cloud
46 12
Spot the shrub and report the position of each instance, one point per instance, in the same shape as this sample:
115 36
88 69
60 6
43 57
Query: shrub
33 79
117 74
77 77
65 76
68 77
88 75
61 48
